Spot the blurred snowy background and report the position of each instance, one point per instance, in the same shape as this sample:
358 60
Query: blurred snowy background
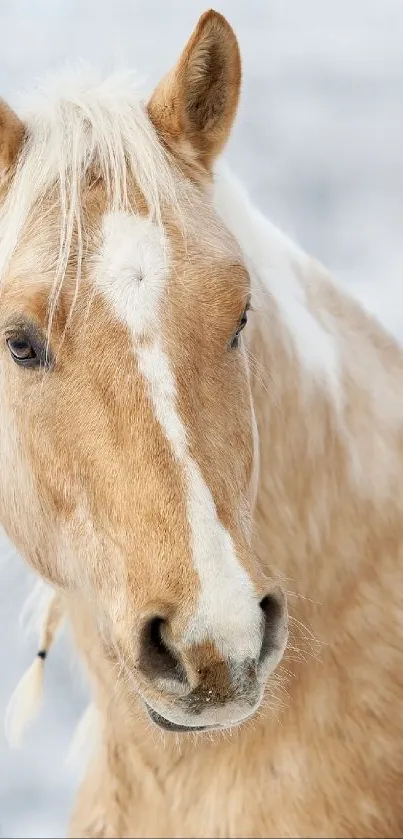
319 141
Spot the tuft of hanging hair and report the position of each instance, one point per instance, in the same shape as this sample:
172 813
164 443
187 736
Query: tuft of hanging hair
26 699
86 736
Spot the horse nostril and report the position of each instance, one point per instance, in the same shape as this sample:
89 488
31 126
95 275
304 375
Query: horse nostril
157 659
273 610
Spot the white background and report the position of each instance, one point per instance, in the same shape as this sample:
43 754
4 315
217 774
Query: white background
319 141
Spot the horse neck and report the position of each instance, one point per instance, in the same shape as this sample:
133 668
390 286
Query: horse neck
327 383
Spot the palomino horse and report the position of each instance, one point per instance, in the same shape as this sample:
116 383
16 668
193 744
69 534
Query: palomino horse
170 477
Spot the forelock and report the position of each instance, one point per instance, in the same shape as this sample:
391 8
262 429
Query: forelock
79 123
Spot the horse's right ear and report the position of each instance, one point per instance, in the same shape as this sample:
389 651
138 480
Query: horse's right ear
12 132
194 106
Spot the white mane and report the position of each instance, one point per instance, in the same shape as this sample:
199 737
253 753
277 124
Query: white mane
271 258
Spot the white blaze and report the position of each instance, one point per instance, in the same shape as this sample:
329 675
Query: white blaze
132 273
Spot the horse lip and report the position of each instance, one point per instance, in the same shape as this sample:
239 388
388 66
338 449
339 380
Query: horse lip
167 725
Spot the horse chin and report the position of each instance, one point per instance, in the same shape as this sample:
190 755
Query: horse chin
168 725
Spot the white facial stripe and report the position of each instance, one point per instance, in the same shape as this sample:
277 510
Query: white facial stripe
154 365
227 601
132 269
227 613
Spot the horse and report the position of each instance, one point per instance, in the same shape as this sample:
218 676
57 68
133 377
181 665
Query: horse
201 443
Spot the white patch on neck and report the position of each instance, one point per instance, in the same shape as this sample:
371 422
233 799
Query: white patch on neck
228 611
269 255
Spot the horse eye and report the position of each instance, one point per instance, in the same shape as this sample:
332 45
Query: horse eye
22 351
241 325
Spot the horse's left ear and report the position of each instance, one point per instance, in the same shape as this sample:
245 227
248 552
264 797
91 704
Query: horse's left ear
12 133
194 106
